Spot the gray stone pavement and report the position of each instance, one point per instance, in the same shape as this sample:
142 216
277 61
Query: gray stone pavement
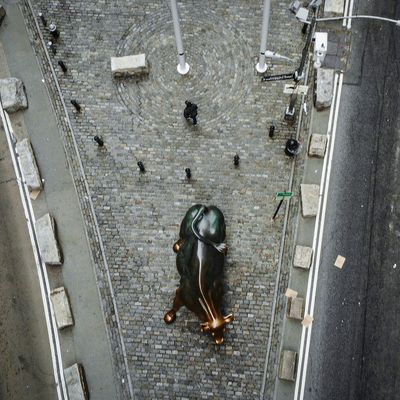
139 214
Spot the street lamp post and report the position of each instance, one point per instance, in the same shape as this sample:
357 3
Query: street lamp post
261 66
183 66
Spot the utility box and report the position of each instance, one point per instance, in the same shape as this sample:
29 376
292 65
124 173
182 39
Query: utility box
320 48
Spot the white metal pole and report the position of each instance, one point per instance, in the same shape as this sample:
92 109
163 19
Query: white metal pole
183 66
261 66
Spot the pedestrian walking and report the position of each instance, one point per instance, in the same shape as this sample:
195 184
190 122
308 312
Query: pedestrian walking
190 111
62 66
76 105
54 31
52 47
141 166
43 19
236 160
188 173
99 141
271 132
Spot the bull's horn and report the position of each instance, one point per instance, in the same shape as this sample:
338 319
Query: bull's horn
229 318
178 245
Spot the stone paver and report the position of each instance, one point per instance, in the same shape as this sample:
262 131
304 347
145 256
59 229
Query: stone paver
13 95
140 118
76 382
62 307
287 370
46 232
296 308
302 257
317 145
309 199
28 165
324 92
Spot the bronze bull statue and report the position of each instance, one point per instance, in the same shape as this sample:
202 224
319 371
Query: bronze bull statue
200 262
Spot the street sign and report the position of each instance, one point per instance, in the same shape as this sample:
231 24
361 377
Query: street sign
284 195
281 77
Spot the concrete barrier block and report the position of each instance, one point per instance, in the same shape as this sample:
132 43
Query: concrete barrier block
288 365
317 145
309 199
129 65
28 165
76 382
302 257
333 8
62 308
295 308
324 88
47 240
13 95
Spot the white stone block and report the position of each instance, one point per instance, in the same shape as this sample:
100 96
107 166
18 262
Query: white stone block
28 165
324 88
296 308
129 65
317 145
12 93
288 365
333 8
302 257
76 382
62 308
309 199
47 239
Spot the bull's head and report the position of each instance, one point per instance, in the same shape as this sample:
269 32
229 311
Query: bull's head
217 328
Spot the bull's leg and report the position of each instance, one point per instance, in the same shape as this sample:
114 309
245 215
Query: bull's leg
170 316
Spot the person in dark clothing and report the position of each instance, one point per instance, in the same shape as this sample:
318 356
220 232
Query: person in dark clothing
190 111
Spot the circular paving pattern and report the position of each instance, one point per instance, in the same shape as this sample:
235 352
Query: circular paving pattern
218 78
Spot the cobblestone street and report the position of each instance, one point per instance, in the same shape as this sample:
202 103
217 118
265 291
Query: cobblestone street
139 214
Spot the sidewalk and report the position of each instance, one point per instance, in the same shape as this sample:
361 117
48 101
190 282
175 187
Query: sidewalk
307 233
86 342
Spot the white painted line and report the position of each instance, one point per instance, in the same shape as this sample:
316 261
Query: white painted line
346 11
52 330
350 14
312 279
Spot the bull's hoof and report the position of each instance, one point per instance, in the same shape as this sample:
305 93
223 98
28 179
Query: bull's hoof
169 317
